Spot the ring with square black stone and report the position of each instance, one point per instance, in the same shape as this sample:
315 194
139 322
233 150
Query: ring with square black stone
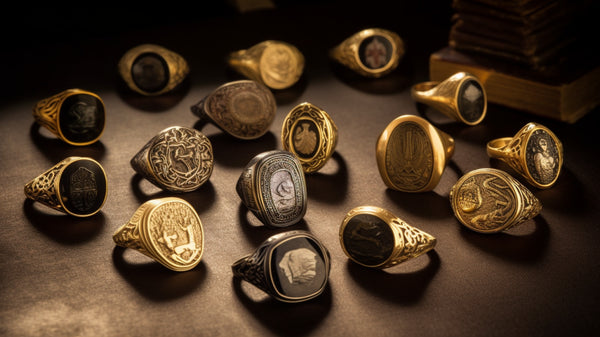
151 70
291 266
461 97
75 116
76 186
374 237
272 186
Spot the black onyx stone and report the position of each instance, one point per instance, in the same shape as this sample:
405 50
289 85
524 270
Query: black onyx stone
368 239
81 118
375 52
470 100
150 72
82 187
298 268
305 139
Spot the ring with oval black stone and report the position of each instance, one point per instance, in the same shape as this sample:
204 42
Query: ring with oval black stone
461 97
76 186
291 266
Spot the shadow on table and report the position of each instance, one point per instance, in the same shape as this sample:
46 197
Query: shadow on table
159 103
329 187
56 150
234 152
425 204
257 232
394 82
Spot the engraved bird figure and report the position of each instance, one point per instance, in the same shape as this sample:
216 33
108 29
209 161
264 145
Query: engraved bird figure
305 140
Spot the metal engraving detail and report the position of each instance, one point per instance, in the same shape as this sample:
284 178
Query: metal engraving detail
305 139
542 157
414 242
84 190
43 187
278 65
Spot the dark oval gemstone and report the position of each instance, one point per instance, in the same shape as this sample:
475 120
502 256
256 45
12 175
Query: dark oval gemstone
82 187
470 101
81 118
542 157
375 52
150 72
368 239
305 138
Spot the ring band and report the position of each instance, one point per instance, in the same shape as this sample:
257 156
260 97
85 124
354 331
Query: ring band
374 237
177 159
534 152
273 188
461 97
373 52
276 64
75 116
151 70
412 154
167 230
244 109
75 185
310 134
488 200
291 266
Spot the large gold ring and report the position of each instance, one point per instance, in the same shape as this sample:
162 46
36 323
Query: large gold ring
244 109
177 159
76 186
310 134
291 266
374 237
167 230
152 70
489 200
461 97
373 52
75 116
412 154
276 64
273 188
534 152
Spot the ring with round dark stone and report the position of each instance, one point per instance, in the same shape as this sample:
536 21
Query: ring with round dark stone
177 159
75 116
309 133
291 266
534 152
76 186
374 237
372 52
272 186
151 70
461 97
244 109
412 154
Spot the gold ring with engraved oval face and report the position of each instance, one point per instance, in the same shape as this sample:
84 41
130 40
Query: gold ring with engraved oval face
372 52
412 154
534 152
276 64
310 134
167 230
461 97
488 200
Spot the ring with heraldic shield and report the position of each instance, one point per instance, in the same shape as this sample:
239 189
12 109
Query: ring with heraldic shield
461 97
244 109
167 230
534 152
152 70
276 64
310 134
76 186
412 154
291 266
177 159
75 116
272 186
372 52
489 200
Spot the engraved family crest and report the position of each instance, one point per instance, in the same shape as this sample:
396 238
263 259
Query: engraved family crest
84 190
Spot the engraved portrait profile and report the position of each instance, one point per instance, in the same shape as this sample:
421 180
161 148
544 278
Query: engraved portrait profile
84 191
299 265
283 191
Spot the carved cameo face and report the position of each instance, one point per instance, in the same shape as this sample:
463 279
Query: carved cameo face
83 187
150 72
542 157
81 118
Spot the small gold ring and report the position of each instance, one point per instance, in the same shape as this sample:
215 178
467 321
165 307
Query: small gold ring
152 70
412 154
374 237
534 152
461 97
177 159
291 266
310 134
489 200
276 64
373 52
167 230
273 188
244 109
76 186
75 116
